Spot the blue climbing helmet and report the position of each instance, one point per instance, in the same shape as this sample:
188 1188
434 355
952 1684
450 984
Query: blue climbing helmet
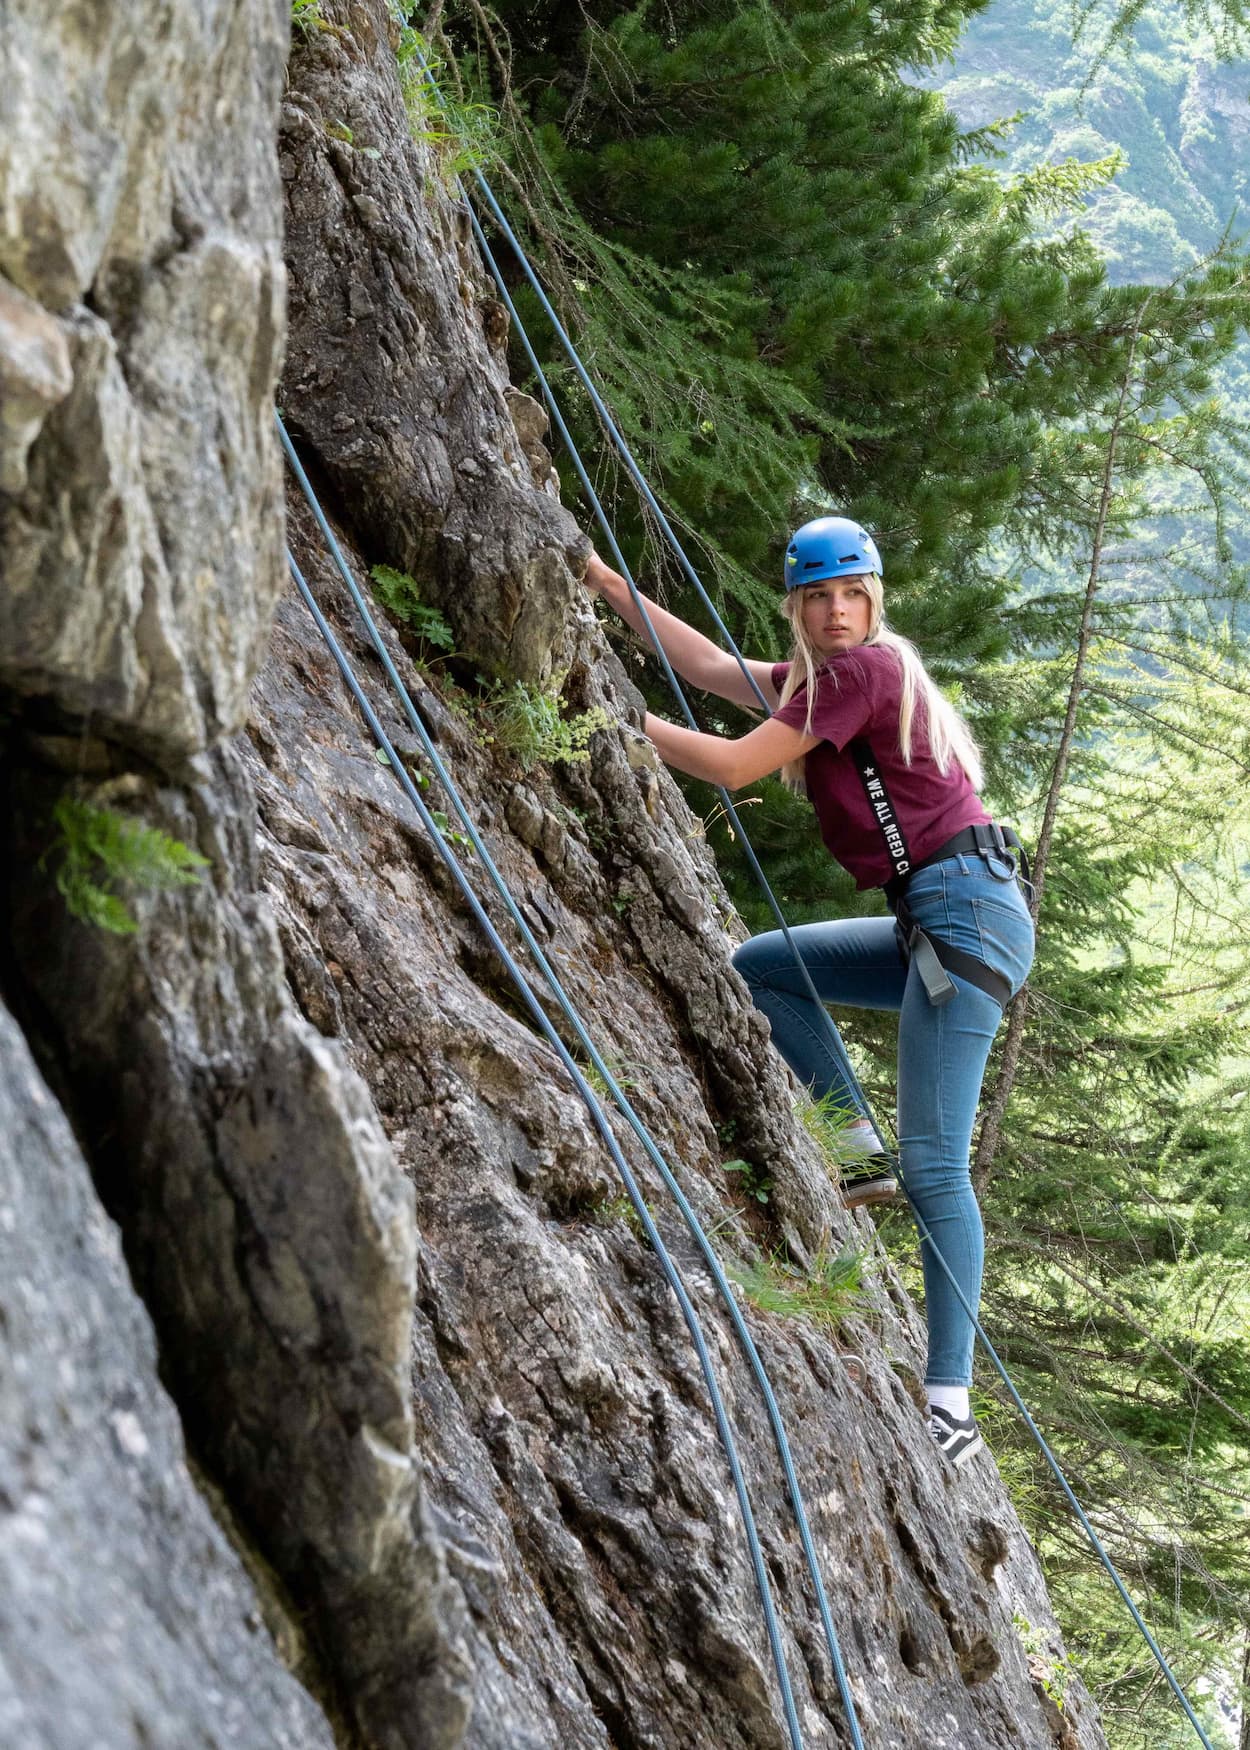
831 546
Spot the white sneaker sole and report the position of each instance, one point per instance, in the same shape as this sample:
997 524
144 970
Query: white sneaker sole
968 1452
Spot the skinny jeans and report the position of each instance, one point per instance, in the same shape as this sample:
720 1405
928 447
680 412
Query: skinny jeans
971 903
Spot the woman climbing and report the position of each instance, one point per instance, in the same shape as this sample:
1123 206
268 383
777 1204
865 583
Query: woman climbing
893 773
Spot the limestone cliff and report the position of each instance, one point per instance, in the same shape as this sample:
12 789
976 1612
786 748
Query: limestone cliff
454 1475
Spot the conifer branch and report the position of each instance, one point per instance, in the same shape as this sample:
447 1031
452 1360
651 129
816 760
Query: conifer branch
1123 1312
1162 725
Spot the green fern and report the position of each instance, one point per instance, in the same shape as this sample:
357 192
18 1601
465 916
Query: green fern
399 593
98 850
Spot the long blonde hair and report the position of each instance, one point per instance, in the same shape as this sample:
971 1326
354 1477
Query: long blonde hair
949 736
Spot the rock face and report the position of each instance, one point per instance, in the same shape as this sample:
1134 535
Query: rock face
140 540
395 374
437 1387
125 1617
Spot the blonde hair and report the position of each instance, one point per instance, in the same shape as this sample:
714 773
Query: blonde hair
949 736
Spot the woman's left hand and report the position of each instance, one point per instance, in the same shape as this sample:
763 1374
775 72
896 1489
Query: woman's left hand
600 579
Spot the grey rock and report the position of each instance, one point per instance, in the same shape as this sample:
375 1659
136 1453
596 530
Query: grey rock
141 541
34 377
525 815
125 1616
140 548
432 463
530 419
272 1236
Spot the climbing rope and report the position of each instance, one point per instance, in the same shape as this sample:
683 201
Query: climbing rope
543 1023
726 801
834 1037
640 1130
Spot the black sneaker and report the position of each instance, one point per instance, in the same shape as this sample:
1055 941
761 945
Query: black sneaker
956 1440
867 1181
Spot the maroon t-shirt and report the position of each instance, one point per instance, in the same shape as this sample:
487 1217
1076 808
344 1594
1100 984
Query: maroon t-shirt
857 697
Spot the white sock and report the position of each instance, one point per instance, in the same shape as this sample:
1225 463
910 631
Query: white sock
953 1398
860 1139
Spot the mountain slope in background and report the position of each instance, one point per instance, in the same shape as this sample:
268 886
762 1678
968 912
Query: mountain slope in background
1180 116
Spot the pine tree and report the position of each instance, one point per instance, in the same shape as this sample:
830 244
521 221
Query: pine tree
796 289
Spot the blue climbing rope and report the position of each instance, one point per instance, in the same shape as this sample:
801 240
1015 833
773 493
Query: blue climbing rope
835 1040
1061 1479
543 1023
644 487
640 1130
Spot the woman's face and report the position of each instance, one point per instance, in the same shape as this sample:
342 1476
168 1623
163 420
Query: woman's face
836 614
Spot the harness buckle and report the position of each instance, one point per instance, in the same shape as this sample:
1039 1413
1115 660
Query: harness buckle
939 986
993 848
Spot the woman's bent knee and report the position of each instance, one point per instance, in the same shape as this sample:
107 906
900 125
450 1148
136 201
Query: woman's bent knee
752 959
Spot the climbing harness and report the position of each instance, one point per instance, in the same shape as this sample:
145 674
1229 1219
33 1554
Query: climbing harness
998 847
708 1255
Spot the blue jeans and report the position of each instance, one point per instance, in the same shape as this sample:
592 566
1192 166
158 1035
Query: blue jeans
942 1053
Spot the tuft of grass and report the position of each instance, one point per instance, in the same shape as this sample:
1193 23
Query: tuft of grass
528 722
464 135
306 18
619 1072
97 851
824 1295
400 595
826 1121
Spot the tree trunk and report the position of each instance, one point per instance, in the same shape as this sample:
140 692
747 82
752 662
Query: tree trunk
992 1123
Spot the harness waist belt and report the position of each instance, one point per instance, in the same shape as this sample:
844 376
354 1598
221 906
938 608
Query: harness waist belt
935 959
983 839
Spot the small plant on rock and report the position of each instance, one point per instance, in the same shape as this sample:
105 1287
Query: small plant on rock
616 1068
454 837
464 135
97 851
306 18
1050 1671
824 1295
614 1211
528 722
753 1181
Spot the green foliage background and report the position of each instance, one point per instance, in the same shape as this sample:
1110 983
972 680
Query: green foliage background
804 280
